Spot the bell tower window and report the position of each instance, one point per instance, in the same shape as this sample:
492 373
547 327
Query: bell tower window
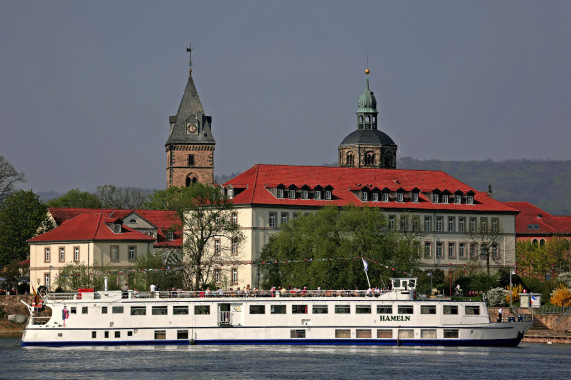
350 159
369 158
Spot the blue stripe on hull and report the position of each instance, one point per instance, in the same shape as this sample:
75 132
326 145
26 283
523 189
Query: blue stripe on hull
295 342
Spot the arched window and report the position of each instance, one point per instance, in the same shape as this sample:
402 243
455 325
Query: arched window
542 242
369 158
350 161
190 179
534 242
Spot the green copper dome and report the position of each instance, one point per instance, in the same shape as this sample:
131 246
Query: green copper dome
367 101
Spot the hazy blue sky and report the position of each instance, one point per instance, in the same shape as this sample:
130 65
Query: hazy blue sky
86 87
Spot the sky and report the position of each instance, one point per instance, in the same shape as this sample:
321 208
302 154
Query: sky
86 87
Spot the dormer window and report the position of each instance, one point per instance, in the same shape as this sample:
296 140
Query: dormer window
385 197
117 228
400 197
457 199
365 196
230 193
375 197
280 193
292 194
328 195
317 194
133 221
470 199
170 235
415 197
445 198
435 198
304 194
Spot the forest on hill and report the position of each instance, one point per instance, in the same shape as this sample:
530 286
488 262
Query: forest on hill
543 183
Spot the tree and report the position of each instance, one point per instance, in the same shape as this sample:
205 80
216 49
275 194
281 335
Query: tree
74 276
323 249
8 178
22 214
487 238
561 297
158 274
127 198
536 260
76 198
206 215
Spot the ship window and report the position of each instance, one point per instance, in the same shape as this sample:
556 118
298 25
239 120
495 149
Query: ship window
106 334
428 309
84 310
342 309
405 309
257 309
363 309
129 333
117 334
138 310
472 310
449 333
160 334
73 310
406 333
384 309
117 309
384 333
297 333
180 310
94 334
450 309
202 309
320 309
363 333
182 334
104 310
299 309
428 333
278 309
159 310
342 333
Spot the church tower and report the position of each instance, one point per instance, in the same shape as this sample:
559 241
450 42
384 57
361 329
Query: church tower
367 147
190 145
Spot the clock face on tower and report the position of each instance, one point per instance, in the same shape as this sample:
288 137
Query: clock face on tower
192 125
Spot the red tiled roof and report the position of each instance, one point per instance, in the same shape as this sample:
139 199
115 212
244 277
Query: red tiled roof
532 216
89 227
259 177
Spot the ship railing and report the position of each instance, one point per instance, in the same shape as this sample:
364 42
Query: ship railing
252 294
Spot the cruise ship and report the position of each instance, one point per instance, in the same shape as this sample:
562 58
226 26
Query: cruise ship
298 317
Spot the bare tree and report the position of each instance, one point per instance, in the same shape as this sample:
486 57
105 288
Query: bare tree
487 236
9 176
127 198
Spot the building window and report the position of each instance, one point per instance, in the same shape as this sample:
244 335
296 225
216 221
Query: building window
76 256
292 194
415 223
170 235
114 253
400 197
470 199
350 159
294 215
280 193
217 247
327 195
439 223
494 251
190 160
317 194
427 249
461 224
451 224
234 247
451 250
234 218
132 253
369 158
439 249
473 250
304 194
365 196
61 254
217 276
458 199
484 224
285 217
427 221
472 224
445 198
234 276
461 252
415 197
273 219
391 222
434 198
403 223
47 282
47 254
230 190
375 197
495 225
385 197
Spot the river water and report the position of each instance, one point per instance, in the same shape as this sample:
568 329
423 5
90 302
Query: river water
529 360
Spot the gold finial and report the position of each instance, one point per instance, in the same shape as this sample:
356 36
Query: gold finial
367 71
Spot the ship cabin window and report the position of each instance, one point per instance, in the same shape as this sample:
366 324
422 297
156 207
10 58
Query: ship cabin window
342 309
160 334
94 335
299 309
106 334
182 334
450 333
159 310
129 333
104 310
138 310
406 333
428 309
117 334
320 309
405 309
472 310
362 333
450 310
428 334
363 309
342 333
73 310
180 310
384 333
202 309
84 310
257 309
297 333
384 309
278 309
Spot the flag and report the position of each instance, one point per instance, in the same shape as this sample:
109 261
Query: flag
365 265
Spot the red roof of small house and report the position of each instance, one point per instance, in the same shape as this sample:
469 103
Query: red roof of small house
89 227
253 187
532 220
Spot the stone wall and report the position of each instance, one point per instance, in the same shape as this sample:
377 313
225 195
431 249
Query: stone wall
12 304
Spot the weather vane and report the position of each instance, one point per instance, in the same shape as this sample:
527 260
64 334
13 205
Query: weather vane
189 50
